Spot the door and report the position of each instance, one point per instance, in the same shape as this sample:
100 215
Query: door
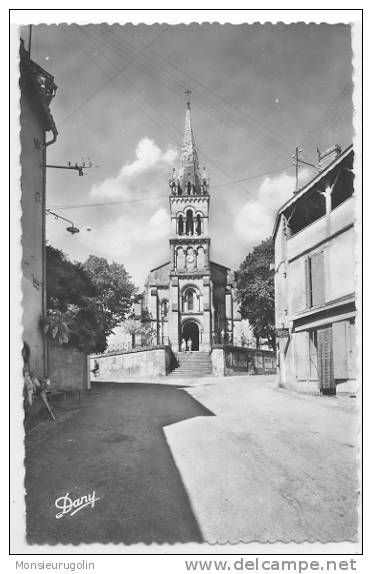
191 331
325 361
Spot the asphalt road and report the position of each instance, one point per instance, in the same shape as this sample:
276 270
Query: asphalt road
230 459
271 465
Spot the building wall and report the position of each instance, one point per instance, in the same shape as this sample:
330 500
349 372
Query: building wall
341 260
216 311
68 368
32 203
121 365
315 301
227 359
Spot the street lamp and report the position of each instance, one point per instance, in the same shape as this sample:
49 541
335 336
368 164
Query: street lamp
71 228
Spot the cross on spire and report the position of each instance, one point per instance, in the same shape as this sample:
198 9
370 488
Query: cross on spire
188 92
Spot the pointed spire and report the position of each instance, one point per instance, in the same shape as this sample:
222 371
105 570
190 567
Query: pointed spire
189 172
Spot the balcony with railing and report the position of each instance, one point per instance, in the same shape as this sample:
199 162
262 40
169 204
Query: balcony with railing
339 218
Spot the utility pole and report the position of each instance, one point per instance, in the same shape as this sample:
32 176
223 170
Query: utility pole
29 39
76 166
296 156
296 163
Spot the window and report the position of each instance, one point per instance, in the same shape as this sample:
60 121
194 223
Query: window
315 281
305 211
343 189
189 222
164 308
198 225
180 225
189 300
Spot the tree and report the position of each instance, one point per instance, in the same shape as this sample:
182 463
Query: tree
256 291
113 286
84 308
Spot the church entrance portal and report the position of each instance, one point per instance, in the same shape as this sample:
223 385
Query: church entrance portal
190 330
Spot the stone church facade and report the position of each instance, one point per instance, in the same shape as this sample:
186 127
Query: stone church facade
190 296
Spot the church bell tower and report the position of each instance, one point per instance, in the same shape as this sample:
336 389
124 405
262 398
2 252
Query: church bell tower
190 282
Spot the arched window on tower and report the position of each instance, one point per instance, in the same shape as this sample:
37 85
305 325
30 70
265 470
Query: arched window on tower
190 300
180 225
189 222
198 225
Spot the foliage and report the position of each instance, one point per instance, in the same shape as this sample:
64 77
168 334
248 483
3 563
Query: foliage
256 290
132 327
113 287
145 330
85 301
54 325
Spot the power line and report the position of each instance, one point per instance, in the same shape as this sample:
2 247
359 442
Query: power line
217 109
103 204
164 117
110 79
152 198
328 116
206 104
219 97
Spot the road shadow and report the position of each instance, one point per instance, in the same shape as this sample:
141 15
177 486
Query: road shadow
115 446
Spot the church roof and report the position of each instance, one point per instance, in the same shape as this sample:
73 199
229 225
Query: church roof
189 180
160 266
219 265
189 162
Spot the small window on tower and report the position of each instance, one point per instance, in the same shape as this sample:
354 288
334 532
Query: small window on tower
189 222
198 225
180 225
190 300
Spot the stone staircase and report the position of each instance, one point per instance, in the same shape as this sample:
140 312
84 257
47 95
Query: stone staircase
194 364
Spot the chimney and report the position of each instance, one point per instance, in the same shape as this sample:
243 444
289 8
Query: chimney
328 156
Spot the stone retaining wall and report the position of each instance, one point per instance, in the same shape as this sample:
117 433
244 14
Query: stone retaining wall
136 363
227 359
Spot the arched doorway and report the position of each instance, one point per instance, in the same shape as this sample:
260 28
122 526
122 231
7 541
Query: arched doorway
190 330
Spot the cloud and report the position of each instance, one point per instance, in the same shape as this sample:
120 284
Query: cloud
145 174
129 235
134 233
148 154
255 220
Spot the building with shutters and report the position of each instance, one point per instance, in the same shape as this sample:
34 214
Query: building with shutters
190 296
314 240
38 131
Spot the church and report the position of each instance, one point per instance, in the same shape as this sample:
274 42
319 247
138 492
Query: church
191 297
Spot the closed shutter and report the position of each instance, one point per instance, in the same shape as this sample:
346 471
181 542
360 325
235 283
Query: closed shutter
325 361
302 355
317 279
313 354
340 351
351 351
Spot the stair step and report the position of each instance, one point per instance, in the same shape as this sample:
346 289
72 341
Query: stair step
195 364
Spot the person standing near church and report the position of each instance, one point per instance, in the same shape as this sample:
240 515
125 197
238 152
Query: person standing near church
183 346
189 345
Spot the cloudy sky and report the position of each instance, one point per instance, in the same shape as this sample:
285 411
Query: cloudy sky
258 91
